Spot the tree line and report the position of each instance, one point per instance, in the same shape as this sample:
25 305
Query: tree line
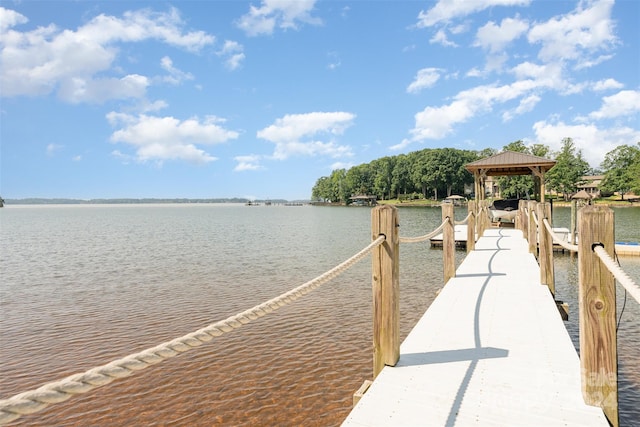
437 173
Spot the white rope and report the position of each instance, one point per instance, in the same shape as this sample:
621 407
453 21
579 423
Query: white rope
464 221
618 272
535 219
426 236
59 391
557 239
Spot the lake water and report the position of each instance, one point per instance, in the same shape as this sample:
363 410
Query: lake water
85 285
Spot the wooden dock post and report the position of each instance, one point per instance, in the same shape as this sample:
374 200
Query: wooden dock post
545 244
519 221
471 226
448 243
482 218
531 232
386 288
597 305
574 217
522 219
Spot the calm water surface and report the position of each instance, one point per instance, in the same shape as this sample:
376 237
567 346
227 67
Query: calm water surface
84 285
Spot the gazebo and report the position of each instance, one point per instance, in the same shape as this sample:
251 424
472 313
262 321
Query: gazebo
509 163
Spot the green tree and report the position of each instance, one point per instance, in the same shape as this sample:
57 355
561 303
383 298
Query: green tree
487 152
430 173
570 167
451 172
422 171
540 150
322 189
622 170
439 170
520 185
401 175
382 171
359 180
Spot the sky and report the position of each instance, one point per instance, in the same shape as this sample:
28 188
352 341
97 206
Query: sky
215 99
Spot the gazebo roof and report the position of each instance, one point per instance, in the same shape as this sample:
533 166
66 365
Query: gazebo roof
510 163
581 195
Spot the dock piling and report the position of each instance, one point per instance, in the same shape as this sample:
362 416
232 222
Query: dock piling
386 288
597 305
471 226
448 242
545 243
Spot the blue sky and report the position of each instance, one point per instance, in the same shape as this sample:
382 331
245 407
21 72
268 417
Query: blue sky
206 99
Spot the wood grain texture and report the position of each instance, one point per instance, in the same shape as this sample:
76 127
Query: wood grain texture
597 305
386 288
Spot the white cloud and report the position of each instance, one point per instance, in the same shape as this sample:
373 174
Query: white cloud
607 84
438 122
440 37
145 24
167 138
577 35
47 59
526 104
446 10
53 148
124 158
495 38
77 89
459 29
175 76
594 142
623 103
403 144
548 75
284 14
495 62
234 54
248 163
588 63
425 78
10 18
146 106
294 134
341 165
474 72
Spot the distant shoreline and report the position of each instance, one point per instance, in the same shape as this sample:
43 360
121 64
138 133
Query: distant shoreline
132 201
237 200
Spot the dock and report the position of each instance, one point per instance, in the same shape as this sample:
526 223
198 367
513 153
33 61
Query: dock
491 350
460 236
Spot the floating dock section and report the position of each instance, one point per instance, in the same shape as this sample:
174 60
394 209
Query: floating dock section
491 350
460 237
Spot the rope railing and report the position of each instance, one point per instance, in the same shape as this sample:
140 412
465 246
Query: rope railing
620 275
557 239
59 391
465 220
426 237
